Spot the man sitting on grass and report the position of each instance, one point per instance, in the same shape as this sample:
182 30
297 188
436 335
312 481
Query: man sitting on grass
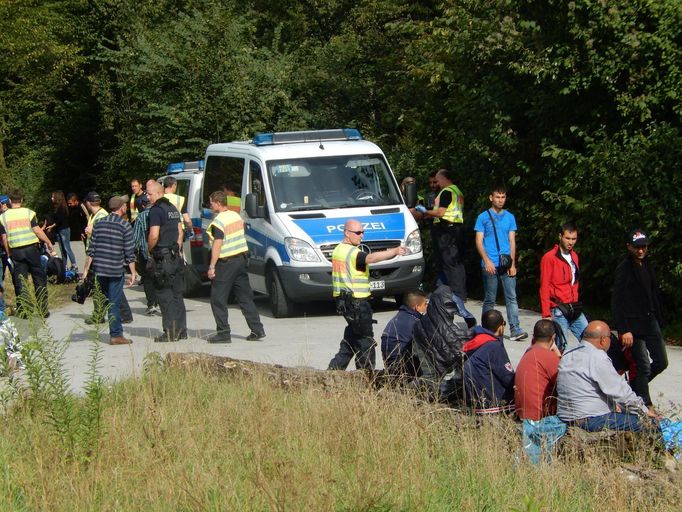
535 392
591 393
488 373
396 340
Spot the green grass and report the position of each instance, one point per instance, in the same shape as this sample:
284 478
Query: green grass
184 440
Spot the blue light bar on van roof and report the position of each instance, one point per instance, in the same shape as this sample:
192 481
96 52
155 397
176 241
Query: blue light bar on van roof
267 139
177 167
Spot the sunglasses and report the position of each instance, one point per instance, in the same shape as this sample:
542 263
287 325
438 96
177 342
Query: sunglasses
356 232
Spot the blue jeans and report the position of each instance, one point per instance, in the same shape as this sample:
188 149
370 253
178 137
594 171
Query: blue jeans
65 246
577 326
490 295
112 287
541 436
613 421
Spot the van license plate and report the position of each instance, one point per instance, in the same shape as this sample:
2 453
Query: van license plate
377 285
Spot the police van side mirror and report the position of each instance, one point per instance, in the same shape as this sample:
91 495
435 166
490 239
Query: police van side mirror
252 208
411 195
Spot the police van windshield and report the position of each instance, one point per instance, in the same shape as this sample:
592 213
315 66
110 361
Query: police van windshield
332 182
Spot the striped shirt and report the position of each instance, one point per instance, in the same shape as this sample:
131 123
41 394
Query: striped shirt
140 233
111 246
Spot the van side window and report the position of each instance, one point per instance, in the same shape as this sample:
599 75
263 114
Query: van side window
222 172
183 189
256 182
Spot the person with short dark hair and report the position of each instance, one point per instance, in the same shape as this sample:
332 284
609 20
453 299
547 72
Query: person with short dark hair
140 234
496 238
488 372
637 313
111 249
78 217
227 271
136 189
535 392
396 340
170 187
448 232
559 283
591 394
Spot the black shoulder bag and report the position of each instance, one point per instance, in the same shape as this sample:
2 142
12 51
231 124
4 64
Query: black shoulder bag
505 259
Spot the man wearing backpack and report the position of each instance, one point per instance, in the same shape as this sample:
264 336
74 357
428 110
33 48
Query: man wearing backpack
496 243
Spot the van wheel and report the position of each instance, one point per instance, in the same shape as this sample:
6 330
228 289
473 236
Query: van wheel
399 298
280 304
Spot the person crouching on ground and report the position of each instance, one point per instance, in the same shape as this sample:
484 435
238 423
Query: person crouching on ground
396 340
535 392
488 373
591 393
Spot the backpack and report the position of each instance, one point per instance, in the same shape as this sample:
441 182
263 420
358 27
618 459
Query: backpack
56 268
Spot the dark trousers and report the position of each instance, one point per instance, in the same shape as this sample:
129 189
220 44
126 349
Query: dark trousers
27 261
147 281
448 243
651 358
231 276
358 338
112 288
168 284
102 304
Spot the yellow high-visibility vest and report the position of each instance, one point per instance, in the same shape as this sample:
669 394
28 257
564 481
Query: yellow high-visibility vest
454 213
93 219
232 226
133 208
17 224
175 200
345 275
234 203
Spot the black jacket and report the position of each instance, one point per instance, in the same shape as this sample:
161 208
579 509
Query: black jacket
632 306
437 341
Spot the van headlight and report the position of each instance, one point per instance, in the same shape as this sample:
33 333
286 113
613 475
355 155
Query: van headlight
300 250
413 244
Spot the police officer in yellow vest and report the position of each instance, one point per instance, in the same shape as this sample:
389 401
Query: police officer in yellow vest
170 187
227 271
136 189
21 237
350 281
96 213
448 232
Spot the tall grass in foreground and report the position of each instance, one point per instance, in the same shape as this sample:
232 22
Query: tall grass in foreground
188 441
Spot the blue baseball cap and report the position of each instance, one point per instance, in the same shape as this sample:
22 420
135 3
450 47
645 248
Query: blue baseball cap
4 199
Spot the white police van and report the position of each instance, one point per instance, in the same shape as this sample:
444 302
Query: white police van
297 191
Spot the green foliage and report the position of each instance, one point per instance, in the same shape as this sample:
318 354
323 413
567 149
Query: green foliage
44 390
574 104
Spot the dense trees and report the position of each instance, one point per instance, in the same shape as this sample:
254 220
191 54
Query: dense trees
574 104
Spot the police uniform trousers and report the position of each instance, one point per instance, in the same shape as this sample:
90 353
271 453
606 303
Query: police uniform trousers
26 261
168 271
358 337
231 276
448 243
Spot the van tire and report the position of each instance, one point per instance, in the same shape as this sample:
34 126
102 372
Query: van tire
280 304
